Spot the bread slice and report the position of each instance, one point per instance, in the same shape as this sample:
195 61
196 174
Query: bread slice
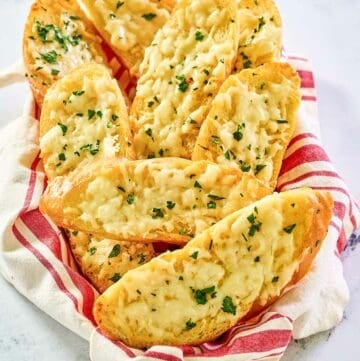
188 60
169 199
244 262
84 117
57 39
128 26
105 261
260 33
252 121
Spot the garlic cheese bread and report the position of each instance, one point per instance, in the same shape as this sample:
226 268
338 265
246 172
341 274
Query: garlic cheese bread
105 261
252 121
128 26
84 117
188 60
57 39
260 33
243 263
169 199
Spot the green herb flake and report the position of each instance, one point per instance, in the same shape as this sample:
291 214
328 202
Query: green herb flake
257 259
78 93
289 229
183 84
91 113
215 198
114 117
148 16
244 167
157 213
197 185
148 132
201 295
170 205
211 205
238 135
195 255
150 104
115 277
119 4
55 72
130 199
63 128
50 57
142 258
215 140
199 36
228 305
121 189
115 251
227 155
275 279
62 156
92 250
259 168
282 121
189 325
112 16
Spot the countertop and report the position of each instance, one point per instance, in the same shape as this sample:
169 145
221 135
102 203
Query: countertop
326 31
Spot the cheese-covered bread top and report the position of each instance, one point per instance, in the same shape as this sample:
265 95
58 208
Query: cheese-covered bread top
183 68
129 26
105 261
241 264
252 120
260 33
84 117
169 199
57 39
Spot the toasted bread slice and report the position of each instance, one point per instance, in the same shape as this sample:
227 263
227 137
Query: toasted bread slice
128 26
244 262
84 117
57 39
105 261
183 69
260 33
169 199
252 121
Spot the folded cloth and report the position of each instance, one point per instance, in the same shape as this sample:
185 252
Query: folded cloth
36 259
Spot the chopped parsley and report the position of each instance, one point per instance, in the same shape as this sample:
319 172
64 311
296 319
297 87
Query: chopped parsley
91 113
78 93
189 325
195 255
183 84
228 305
261 24
157 213
130 199
215 139
62 157
90 147
211 205
244 167
148 132
115 251
259 168
255 225
215 198
170 205
55 72
199 36
238 135
50 57
289 229
197 184
275 279
119 4
92 250
201 295
114 117
227 155
150 104
282 121
63 128
148 16
112 16
115 277
142 258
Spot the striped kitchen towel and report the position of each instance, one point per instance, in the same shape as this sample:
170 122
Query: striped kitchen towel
36 258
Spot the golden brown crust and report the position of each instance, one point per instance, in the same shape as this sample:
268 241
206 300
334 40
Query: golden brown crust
84 117
105 261
126 18
58 26
168 199
233 269
252 121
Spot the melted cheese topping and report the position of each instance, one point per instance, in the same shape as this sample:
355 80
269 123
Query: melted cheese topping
105 261
260 33
189 59
151 200
60 47
250 124
87 121
130 26
214 281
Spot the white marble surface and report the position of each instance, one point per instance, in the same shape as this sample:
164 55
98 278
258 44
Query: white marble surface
326 31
